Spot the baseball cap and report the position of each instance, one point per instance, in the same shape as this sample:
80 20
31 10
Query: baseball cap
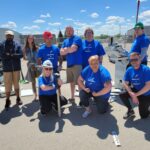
139 25
9 32
47 35
48 64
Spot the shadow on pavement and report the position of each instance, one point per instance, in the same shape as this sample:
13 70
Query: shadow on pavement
50 122
141 125
104 123
30 108
13 112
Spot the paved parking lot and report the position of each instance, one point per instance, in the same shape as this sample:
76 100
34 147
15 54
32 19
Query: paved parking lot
22 128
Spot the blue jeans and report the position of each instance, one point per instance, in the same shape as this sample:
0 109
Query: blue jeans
101 103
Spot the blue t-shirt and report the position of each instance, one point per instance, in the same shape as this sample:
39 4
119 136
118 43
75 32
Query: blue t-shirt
138 78
89 49
49 53
74 58
141 43
47 81
95 81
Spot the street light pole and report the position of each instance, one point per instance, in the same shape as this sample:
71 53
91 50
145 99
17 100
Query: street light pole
137 13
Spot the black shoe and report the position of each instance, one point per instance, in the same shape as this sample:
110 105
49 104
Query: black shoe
129 114
43 113
18 101
8 103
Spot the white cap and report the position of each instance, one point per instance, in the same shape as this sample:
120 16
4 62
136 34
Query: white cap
9 32
48 64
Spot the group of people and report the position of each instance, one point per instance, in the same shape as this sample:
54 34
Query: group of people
84 68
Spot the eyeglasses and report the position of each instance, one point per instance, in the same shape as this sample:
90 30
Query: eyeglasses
134 60
48 69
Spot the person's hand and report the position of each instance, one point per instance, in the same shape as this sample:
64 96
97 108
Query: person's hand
59 68
135 100
132 94
66 50
87 90
94 94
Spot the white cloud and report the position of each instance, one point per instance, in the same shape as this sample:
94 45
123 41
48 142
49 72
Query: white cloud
94 15
69 19
39 21
145 17
143 0
82 11
144 14
31 27
45 16
114 19
128 20
107 7
9 24
77 23
54 24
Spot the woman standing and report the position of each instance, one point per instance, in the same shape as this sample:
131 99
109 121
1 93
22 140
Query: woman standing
30 54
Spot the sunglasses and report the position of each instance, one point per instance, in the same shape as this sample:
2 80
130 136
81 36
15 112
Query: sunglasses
134 60
48 69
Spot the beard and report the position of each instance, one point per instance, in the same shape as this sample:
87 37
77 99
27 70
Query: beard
9 45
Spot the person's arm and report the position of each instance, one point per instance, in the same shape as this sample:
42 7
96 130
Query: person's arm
143 52
46 87
72 49
105 90
131 93
64 51
81 84
24 54
39 61
60 82
145 89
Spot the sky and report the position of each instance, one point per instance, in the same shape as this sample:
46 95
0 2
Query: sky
104 16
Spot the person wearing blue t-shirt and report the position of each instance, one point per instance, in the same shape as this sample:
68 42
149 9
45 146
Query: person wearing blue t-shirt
72 48
47 87
137 85
91 47
49 51
141 42
95 81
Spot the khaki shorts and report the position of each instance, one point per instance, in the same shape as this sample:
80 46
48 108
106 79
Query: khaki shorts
11 78
73 73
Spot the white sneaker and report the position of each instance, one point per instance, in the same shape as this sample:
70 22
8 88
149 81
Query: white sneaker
86 114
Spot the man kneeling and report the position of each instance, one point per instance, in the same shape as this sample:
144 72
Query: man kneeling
137 85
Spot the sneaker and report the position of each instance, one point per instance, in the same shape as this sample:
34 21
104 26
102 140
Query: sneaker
86 114
129 114
8 103
18 101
